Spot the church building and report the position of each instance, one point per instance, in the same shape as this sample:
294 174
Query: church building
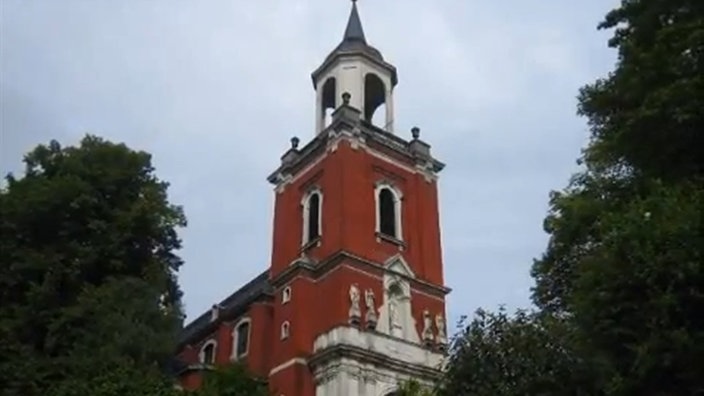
353 302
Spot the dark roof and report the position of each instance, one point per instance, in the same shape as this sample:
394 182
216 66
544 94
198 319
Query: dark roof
354 39
230 306
174 366
354 29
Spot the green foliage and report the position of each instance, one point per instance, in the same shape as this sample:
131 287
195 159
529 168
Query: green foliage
87 272
232 380
625 261
522 354
647 115
413 388
620 287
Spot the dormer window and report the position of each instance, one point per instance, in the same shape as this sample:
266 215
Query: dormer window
388 211
207 352
312 222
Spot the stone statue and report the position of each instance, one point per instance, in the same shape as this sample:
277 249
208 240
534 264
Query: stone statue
369 299
394 319
355 312
441 337
427 326
371 317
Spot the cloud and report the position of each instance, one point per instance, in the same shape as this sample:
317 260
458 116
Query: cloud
215 89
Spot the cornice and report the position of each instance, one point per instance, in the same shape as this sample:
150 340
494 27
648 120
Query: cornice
337 352
317 269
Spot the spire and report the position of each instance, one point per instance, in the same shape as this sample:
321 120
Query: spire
354 31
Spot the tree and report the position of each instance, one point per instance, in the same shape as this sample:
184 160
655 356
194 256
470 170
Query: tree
626 252
522 354
413 388
232 380
88 273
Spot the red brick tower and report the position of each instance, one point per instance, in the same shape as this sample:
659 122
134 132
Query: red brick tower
356 267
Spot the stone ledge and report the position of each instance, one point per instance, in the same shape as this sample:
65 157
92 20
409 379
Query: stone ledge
370 345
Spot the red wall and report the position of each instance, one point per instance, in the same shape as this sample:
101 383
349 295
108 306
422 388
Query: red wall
347 179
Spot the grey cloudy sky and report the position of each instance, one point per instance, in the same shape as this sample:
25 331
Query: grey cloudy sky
215 88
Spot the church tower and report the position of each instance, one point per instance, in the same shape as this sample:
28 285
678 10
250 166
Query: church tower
356 268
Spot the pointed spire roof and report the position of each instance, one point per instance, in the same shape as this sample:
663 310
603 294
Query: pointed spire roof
354 39
354 42
354 31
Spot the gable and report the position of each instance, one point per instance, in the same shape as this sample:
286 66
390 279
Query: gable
399 265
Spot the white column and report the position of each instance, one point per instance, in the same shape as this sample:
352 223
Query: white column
352 382
335 386
369 388
389 110
319 112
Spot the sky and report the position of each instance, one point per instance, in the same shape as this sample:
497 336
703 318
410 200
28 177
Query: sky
214 89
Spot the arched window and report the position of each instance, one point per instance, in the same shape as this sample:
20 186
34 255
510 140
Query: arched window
241 339
285 330
388 212
207 352
374 98
286 295
328 95
313 216
312 221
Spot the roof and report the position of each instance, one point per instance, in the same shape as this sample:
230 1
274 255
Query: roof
354 29
354 39
230 306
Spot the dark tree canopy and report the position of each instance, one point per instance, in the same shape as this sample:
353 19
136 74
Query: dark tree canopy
620 288
626 251
88 270
232 380
522 354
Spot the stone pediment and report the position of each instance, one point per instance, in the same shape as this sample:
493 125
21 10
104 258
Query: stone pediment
399 265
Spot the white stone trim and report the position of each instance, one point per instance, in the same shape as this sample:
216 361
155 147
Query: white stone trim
236 335
288 179
324 276
287 364
346 376
399 264
286 295
201 354
349 71
285 330
305 203
398 206
402 302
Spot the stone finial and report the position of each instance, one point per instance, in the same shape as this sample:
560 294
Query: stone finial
294 142
346 98
415 132
214 312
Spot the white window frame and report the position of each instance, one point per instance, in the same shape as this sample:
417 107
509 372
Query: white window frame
201 353
285 330
235 338
398 207
305 203
286 295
